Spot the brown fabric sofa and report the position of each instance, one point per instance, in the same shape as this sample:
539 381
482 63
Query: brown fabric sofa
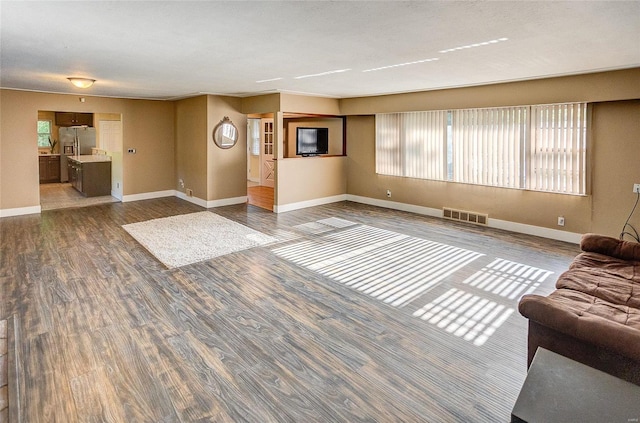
594 314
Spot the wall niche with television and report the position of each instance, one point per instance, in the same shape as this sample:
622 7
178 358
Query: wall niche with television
311 136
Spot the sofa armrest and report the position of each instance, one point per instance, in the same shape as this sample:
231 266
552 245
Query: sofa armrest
557 314
612 247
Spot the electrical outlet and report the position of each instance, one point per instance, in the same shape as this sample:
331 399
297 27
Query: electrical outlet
560 220
389 193
636 188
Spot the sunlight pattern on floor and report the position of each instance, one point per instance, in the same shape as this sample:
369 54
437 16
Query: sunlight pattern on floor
391 267
336 222
465 315
324 225
508 278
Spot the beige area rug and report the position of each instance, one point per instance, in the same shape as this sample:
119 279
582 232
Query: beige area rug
190 238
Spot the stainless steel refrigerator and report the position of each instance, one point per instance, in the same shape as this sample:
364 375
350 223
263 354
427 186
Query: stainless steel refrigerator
74 141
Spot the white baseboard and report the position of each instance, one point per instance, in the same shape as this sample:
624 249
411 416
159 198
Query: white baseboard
493 223
536 231
19 211
211 203
226 202
427 211
309 203
195 200
148 195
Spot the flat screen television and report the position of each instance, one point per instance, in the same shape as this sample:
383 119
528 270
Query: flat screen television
312 141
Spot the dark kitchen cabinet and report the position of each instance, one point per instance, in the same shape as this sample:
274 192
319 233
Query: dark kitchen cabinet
49 167
74 119
91 179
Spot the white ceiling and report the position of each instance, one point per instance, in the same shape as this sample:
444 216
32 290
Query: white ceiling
164 50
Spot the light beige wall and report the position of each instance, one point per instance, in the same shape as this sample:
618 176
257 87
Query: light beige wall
616 157
307 104
310 178
615 153
147 125
227 168
261 104
335 133
254 168
604 86
615 136
191 145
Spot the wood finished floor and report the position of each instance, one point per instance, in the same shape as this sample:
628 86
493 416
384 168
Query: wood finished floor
260 196
101 331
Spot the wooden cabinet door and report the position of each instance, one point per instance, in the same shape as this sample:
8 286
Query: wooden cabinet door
65 118
49 168
53 170
73 177
79 177
84 119
42 168
73 119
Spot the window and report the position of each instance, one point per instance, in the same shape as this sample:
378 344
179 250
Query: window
487 145
541 148
254 135
558 148
44 133
412 144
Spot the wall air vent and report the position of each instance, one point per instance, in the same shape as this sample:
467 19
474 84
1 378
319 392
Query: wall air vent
465 216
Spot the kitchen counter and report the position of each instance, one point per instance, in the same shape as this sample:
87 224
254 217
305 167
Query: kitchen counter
90 158
90 174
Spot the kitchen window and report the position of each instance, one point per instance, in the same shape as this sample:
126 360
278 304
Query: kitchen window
44 133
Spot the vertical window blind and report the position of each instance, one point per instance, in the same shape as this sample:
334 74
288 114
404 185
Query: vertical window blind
254 136
412 144
542 148
558 148
487 145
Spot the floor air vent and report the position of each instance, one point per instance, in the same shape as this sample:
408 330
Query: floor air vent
465 216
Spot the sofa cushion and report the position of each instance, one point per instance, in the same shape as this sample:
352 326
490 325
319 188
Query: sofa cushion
625 250
603 265
611 326
605 278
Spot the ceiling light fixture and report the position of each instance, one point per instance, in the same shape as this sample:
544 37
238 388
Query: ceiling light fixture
484 43
322 73
433 59
268 80
81 82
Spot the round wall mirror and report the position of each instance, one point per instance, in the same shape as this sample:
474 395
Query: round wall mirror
225 134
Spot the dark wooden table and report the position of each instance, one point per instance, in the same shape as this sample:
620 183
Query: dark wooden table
558 389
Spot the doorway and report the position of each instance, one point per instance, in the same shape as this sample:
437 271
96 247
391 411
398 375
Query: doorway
260 165
102 136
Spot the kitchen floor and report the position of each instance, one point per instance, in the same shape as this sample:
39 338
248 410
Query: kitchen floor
63 195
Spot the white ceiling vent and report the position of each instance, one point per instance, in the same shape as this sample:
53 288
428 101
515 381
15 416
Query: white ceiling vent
465 216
